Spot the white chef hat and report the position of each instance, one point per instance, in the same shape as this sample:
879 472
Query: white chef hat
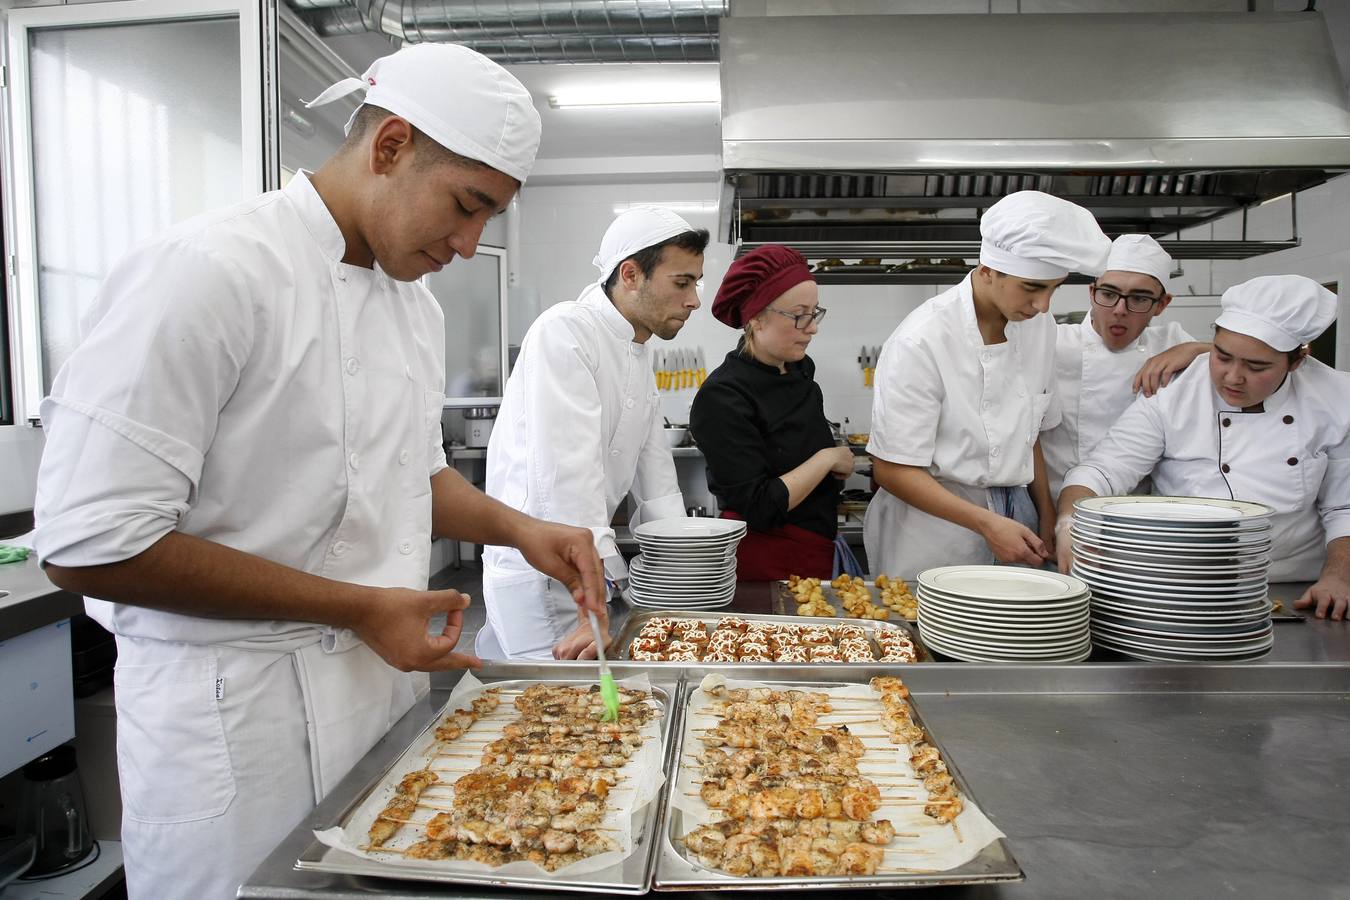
1284 311
634 230
1140 253
1030 234
459 98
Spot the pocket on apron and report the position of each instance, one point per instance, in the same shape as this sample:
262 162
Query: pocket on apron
171 752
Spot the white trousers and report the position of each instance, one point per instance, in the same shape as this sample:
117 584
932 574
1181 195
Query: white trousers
222 752
527 614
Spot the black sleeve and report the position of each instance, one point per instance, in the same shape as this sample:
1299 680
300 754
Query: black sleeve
723 423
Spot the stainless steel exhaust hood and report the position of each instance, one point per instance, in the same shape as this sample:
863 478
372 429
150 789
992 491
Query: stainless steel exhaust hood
883 138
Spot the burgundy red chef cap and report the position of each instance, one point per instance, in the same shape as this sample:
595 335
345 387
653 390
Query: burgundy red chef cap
757 279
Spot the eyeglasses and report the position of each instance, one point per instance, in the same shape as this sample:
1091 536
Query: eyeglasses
1135 303
804 320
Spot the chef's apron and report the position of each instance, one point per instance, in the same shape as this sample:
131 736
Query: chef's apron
527 614
774 555
902 541
224 749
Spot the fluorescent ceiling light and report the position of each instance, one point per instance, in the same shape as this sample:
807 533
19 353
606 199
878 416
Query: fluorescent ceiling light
634 95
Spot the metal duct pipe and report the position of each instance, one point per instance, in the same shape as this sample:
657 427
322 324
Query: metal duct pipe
549 31
306 5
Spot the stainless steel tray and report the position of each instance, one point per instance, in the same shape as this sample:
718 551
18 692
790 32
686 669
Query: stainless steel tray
633 624
632 876
675 872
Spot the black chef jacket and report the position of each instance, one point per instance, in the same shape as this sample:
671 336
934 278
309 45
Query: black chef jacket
753 424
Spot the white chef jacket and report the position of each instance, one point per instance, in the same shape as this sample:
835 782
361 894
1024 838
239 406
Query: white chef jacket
967 411
240 383
1294 456
579 428
1093 385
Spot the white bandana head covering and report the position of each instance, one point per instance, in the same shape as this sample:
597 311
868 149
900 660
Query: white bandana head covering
1030 234
1140 253
634 230
1284 311
459 98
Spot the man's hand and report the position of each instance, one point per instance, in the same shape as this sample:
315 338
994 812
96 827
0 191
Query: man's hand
395 625
1158 371
1330 598
568 555
580 644
1013 542
1064 543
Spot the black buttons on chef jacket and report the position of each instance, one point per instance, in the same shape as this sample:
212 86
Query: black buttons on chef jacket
1289 420
1227 422
1293 460
1224 468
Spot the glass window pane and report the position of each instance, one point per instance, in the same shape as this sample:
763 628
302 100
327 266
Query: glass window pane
135 127
469 290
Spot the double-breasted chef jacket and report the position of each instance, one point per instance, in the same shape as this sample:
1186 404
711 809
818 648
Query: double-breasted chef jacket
1293 456
967 411
1094 386
580 428
240 383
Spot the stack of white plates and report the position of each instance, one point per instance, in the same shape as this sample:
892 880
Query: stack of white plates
1176 578
685 563
1004 614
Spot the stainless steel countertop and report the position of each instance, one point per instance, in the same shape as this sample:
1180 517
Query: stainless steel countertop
1113 778
33 601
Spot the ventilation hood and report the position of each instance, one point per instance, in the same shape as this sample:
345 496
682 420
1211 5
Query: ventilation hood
883 138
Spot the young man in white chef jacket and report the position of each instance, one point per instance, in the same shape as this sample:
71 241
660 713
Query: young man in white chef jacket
243 472
964 388
1104 360
1254 420
580 426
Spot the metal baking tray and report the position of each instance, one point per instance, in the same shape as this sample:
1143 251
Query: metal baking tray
631 876
636 620
785 604
675 872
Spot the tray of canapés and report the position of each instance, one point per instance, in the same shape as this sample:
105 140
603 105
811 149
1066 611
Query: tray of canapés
661 636
847 596
820 785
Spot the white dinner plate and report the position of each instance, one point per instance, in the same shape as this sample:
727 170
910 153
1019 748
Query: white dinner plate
1181 510
1095 576
956 651
1148 558
1182 648
1157 612
1165 656
1236 572
995 630
1010 609
1127 593
687 528
1170 548
1049 647
1001 583
1220 628
998 624
1221 539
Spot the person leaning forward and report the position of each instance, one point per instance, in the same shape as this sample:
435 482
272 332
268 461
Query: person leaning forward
243 471
963 389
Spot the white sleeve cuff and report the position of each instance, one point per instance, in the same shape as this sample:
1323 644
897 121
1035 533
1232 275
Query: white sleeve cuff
1092 478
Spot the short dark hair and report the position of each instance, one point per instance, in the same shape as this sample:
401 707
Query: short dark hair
369 116
1292 356
648 258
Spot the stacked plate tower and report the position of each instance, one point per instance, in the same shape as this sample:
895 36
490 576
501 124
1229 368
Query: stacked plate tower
685 563
1176 578
1004 614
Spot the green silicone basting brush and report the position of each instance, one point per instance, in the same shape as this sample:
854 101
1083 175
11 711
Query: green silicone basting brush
609 691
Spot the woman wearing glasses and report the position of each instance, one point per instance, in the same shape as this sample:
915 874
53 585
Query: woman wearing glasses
962 392
1261 422
1102 362
760 421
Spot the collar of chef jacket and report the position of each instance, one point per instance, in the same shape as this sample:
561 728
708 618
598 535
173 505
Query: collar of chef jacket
594 295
